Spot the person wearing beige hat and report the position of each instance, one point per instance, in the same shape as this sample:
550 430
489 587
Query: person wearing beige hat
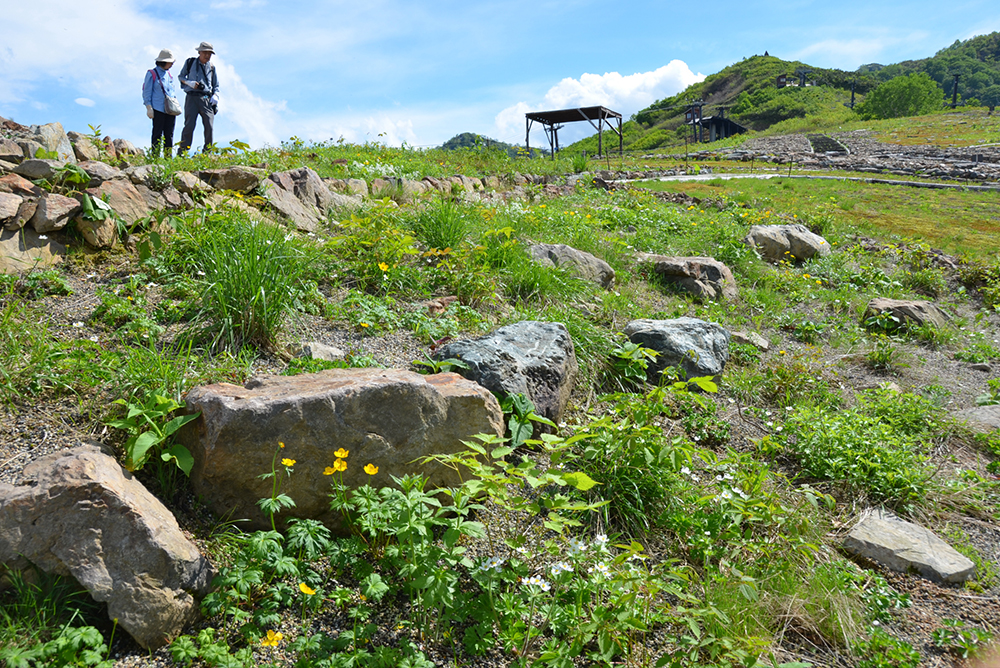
158 86
201 85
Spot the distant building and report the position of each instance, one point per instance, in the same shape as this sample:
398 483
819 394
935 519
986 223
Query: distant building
719 127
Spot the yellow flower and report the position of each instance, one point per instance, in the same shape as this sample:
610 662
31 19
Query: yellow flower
371 469
341 453
272 639
329 470
306 589
383 266
365 324
288 462
280 444
339 465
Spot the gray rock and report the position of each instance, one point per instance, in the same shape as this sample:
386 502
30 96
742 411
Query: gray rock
189 184
795 243
580 263
100 172
703 277
142 174
54 212
84 146
385 417
532 358
24 249
305 219
154 201
52 137
751 338
982 419
36 168
10 151
238 178
7 167
908 311
124 147
29 148
81 514
319 351
25 212
697 347
903 546
307 186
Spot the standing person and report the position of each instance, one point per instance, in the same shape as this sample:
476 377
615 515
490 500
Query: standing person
159 85
199 81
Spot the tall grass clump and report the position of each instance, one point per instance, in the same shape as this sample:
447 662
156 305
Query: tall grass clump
251 275
443 224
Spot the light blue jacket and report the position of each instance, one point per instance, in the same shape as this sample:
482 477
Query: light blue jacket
152 91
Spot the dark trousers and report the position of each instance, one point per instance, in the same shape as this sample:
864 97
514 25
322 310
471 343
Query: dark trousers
195 106
163 132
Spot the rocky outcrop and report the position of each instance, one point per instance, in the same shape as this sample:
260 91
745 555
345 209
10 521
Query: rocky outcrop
790 243
387 418
908 312
53 138
704 277
696 347
123 198
905 547
982 419
238 178
54 212
579 263
532 358
80 514
25 249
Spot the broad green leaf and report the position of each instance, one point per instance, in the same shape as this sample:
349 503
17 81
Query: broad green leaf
141 447
178 422
181 456
580 480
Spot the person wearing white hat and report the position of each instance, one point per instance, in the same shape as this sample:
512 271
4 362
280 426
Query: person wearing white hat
200 82
158 86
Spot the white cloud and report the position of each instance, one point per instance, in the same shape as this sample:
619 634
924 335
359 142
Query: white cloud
625 94
258 119
84 102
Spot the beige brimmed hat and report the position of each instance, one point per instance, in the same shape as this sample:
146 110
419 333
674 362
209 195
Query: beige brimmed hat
205 46
166 56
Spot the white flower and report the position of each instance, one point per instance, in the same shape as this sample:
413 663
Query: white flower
42 236
726 495
600 570
576 546
685 470
492 563
94 338
600 541
561 567
78 324
535 581
521 550
201 273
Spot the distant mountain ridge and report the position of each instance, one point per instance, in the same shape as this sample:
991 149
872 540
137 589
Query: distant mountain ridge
471 140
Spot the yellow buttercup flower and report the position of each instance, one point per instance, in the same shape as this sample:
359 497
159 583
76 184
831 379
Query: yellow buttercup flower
272 639
280 444
371 469
383 266
288 462
306 589
341 453
339 465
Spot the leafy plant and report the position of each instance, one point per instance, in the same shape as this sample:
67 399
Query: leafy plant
629 364
149 430
432 366
960 639
521 418
992 395
882 650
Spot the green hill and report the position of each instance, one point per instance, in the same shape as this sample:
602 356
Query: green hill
473 141
748 92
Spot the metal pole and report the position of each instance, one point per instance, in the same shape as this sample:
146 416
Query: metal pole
600 131
527 134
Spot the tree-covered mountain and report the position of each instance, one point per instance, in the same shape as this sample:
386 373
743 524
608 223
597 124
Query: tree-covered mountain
472 141
749 93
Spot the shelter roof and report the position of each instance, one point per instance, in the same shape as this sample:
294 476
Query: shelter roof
570 115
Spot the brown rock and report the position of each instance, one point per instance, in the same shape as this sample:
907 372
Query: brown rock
238 178
54 212
10 151
18 185
9 206
24 249
123 198
24 213
100 172
703 277
81 514
913 312
84 147
385 417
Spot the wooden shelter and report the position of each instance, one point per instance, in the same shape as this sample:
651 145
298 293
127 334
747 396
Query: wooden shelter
553 121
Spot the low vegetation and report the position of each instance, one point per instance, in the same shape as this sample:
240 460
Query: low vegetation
679 523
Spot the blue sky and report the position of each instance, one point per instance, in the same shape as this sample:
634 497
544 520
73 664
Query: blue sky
397 71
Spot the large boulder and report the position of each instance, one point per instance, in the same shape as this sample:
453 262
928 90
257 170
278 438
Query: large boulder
99 172
532 358
909 312
238 178
704 277
84 146
579 263
10 204
24 249
384 417
14 183
126 201
305 218
53 212
980 419
80 514
697 347
905 547
307 186
792 243
52 137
